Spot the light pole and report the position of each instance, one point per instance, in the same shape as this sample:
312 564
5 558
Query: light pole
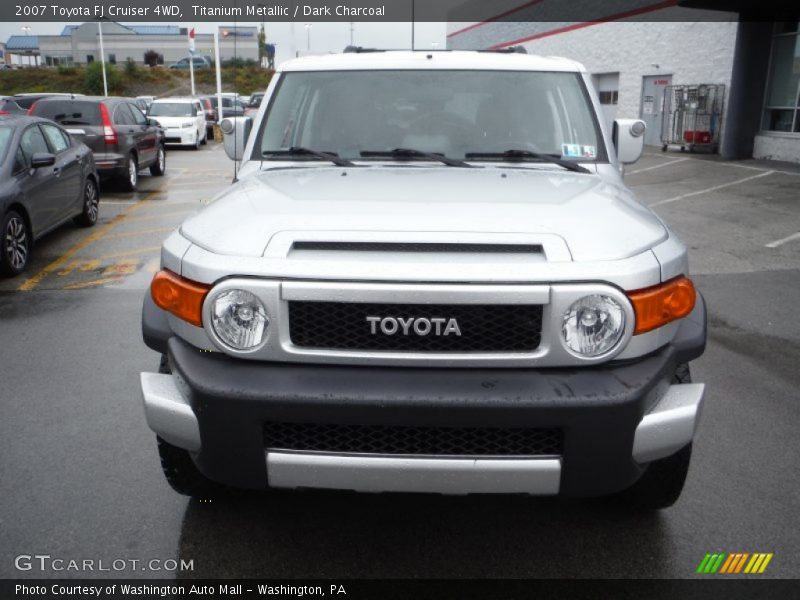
102 58
352 27
26 29
308 36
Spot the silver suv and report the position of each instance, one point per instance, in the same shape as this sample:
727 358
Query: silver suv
429 277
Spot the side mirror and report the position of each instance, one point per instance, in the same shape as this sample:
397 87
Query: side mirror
153 123
42 159
628 136
236 131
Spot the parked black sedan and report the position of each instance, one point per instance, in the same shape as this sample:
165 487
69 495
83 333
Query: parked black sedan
46 179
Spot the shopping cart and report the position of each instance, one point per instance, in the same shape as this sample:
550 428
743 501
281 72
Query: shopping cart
692 116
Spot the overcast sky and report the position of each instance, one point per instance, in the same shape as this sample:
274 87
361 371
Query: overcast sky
288 37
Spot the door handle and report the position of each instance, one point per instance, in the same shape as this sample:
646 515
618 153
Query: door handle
57 171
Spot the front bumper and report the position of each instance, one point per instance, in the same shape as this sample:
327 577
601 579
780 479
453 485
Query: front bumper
184 137
615 418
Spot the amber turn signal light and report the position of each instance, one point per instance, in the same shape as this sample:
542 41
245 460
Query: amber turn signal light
181 297
661 304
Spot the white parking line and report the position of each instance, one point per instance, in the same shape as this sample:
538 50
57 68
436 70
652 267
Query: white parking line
665 164
782 241
711 189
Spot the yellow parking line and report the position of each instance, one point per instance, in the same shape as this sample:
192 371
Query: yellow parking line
131 252
93 283
100 233
144 232
160 216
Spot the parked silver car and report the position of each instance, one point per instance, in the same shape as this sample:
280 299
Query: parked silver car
429 277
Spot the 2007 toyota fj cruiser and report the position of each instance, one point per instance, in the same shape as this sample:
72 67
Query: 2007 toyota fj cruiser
429 277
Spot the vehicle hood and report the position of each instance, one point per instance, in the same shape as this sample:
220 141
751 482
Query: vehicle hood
597 219
173 121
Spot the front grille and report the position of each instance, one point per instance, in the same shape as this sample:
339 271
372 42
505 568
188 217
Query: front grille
344 326
391 439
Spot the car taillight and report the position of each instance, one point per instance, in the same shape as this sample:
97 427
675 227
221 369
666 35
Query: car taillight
181 297
31 109
661 304
109 133
4 112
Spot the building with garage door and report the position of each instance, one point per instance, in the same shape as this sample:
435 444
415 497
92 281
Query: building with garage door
635 49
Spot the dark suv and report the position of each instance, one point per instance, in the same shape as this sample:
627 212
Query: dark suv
122 139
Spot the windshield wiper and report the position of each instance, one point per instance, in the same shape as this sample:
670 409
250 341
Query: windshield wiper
523 155
301 151
408 153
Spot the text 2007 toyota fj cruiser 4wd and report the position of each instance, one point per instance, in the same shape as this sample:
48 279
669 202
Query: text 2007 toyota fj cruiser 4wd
429 277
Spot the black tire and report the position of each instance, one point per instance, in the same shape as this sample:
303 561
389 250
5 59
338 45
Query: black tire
662 484
131 177
91 205
181 473
205 138
197 142
15 249
682 374
159 167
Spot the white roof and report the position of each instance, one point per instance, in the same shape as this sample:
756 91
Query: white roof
175 99
421 59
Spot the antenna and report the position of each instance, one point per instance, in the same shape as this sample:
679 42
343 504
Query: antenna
413 3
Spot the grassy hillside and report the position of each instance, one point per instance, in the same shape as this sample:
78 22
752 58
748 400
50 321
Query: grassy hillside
129 80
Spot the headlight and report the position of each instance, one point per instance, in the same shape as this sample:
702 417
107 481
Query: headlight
593 325
187 125
239 319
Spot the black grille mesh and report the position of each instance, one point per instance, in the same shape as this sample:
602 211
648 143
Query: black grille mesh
391 439
344 326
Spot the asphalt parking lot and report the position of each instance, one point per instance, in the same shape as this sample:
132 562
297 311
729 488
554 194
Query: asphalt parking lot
79 471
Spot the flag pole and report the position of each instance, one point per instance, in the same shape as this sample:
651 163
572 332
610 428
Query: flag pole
102 58
191 58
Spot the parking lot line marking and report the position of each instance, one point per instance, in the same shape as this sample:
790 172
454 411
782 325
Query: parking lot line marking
782 241
177 213
93 283
665 164
31 283
144 232
131 252
707 190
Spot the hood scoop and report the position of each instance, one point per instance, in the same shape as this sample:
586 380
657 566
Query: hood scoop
431 247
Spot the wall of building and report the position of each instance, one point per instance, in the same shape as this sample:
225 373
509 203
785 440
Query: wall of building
690 52
119 41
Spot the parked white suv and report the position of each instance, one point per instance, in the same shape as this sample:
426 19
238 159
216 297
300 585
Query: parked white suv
183 120
429 277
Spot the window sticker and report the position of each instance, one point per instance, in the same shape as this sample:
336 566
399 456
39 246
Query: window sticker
578 151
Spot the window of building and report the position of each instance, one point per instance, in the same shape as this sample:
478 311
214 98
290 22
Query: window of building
112 58
782 103
609 97
90 58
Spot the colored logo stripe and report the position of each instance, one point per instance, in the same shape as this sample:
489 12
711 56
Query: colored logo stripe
736 562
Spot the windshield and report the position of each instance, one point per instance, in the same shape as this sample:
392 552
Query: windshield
69 112
255 100
5 139
454 113
171 109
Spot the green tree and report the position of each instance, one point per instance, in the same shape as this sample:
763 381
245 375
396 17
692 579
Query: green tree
93 83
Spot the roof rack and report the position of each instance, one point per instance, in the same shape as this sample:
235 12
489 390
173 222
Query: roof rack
509 50
360 50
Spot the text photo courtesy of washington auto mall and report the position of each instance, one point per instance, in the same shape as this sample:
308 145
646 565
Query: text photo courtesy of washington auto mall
399 299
